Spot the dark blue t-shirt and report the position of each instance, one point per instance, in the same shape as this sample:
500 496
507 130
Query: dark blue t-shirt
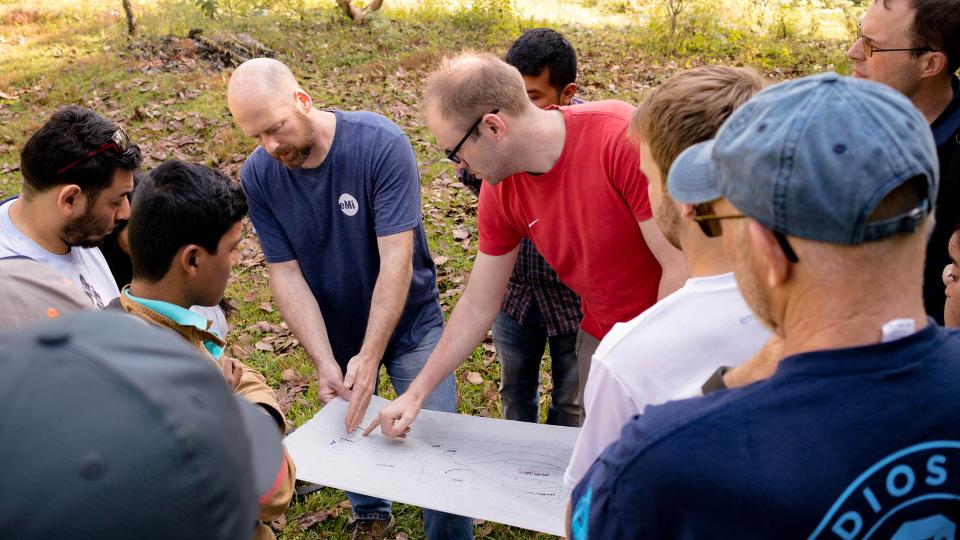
844 444
329 218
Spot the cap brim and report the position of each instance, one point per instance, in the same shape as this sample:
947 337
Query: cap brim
691 179
266 447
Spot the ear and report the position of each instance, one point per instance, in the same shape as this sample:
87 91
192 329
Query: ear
496 125
686 210
566 95
935 64
771 254
189 259
303 100
71 200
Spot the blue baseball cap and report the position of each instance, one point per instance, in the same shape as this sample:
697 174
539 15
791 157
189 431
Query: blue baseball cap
813 158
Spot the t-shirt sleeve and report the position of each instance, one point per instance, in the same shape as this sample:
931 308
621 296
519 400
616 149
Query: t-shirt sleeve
396 188
619 495
609 406
497 235
276 246
624 167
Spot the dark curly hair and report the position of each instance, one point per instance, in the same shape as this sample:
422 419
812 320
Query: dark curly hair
68 136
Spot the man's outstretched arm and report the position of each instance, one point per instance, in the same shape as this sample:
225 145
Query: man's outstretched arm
300 310
386 306
672 262
472 317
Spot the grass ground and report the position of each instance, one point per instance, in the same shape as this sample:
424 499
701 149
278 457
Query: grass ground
172 103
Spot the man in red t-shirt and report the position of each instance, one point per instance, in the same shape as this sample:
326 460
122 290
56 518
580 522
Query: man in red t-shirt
569 179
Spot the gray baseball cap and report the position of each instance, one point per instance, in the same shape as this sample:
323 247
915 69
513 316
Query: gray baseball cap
113 428
813 158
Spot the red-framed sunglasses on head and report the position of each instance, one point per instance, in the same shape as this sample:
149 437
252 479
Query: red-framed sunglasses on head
119 142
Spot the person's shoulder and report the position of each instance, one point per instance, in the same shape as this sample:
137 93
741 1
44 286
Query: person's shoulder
601 124
671 430
369 121
640 331
370 137
258 163
9 248
612 110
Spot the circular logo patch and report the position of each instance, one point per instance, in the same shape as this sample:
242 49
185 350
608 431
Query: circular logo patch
348 205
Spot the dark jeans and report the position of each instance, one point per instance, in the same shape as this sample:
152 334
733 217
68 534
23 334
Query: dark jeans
403 368
520 348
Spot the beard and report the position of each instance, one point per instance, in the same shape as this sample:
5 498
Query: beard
293 156
668 219
87 231
751 285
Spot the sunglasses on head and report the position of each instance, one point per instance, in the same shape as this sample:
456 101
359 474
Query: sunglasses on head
119 143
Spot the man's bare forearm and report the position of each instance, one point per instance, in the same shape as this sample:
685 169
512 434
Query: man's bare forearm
671 260
300 310
468 325
386 306
471 318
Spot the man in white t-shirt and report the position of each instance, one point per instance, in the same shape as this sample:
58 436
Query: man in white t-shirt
669 350
77 172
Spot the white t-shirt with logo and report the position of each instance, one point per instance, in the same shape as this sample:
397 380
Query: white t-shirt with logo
665 353
85 266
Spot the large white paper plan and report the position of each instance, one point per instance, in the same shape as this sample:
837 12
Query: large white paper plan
497 470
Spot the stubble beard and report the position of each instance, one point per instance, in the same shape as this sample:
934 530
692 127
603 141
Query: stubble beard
750 284
668 219
294 156
86 231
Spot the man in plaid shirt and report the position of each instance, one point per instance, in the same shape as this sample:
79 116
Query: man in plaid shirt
538 308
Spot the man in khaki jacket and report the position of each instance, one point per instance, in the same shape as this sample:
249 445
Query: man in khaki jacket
184 228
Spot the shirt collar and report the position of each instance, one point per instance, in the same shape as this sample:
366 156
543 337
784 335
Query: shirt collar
949 120
175 313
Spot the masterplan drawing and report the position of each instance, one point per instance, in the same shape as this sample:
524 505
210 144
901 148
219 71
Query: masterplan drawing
497 470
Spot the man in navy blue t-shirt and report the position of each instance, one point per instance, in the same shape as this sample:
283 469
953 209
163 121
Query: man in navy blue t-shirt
823 189
335 200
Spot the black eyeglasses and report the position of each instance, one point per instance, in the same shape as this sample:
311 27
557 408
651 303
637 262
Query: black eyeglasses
710 225
452 154
119 143
869 49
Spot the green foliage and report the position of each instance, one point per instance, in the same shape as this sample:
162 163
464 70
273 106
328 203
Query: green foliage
208 7
493 15
242 8
613 6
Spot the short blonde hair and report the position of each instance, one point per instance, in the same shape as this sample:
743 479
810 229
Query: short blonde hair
689 108
470 85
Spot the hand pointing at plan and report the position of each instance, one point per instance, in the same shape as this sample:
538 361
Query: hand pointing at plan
395 417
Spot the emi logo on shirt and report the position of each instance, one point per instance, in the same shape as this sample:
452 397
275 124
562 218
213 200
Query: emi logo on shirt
348 204
913 494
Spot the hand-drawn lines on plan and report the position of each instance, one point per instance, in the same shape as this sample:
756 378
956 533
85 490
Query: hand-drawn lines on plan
455 460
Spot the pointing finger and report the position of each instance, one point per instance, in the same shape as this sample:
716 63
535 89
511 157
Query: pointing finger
373 425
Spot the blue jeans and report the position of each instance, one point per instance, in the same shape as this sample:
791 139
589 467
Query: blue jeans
403 368
520 348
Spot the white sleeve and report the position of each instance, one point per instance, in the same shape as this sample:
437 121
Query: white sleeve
608 405
216 316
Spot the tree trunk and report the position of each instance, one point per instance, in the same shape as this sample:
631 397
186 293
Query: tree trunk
359 15
355 14
131 23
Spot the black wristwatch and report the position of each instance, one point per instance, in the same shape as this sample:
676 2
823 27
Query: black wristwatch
715 382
